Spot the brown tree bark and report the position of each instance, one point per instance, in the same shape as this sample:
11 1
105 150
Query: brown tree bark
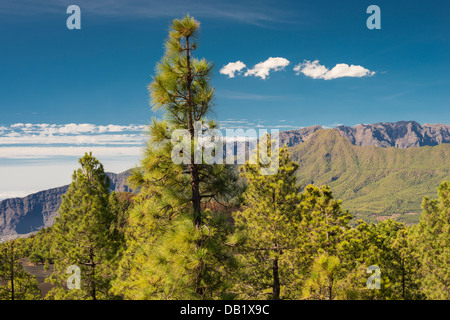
12 271
276 280
195 181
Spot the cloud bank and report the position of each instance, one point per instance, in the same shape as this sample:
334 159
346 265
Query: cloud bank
315 70
27 141
49 152
35 157
60 142
312 69
231 68
263 69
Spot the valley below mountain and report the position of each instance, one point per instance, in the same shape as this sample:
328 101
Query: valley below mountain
373 182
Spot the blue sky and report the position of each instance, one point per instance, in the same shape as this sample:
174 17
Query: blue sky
67 86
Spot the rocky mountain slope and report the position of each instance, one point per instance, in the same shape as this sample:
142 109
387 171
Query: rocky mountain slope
403 134
38 210
373 182
365 165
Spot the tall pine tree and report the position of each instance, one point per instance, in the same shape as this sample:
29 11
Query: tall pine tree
176 248
324 223
268 230
85 234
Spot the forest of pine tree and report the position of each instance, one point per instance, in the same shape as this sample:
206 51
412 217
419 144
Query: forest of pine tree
210 231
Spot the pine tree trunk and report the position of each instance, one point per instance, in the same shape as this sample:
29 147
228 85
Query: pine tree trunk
276 280
196 198
195 181
12 280
12 272
92 264
330 291
403 280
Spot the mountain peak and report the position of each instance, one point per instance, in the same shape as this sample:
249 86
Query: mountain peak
401 134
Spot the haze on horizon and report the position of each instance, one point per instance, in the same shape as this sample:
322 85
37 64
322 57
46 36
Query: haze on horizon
278 64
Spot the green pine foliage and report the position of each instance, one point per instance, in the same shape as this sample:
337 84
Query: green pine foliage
324 278
38 247
398 260
372 181
324 224
323 219
268 230
15 282
191 231
85 235
431 238
175 247
386 245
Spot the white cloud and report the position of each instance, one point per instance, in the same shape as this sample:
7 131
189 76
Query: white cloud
35 157
47 152
315 70
14 138
231 68
263 69
68 133
27 141
73 128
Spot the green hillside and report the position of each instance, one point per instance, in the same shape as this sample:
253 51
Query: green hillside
372 181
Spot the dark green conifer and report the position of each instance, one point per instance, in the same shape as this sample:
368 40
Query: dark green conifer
85 235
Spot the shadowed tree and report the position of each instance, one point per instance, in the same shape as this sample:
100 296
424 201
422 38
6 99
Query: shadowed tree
15 282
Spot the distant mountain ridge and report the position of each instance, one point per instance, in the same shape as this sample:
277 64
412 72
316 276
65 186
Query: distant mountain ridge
402 134
38 210
370 180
